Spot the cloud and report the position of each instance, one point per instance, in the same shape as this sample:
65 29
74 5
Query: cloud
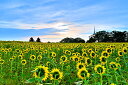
74 30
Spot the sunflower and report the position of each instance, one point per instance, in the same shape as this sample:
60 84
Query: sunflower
53 54
93 54
109 50
113 65
120 53
32 57
83 50
80 65
1 61
11 59
88 61
40 53
39 57
103 59
63 58
83 73
67 52
90 50
73 54
84 54
77 54
55 74
45 51
104 53
17 51
23 62
99 69
47 64
117 59
20 57
76 59
41 72
124 50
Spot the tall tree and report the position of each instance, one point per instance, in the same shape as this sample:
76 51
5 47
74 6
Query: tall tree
31 39
38 40
119 36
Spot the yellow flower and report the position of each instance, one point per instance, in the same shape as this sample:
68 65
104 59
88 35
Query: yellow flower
124 50
11 59
83 73
120 53
93 54
117 58
55 74
41 72
113 65
63 59
103 59
88 61
67 52
53 54
90 50
32 57
99 69
73 54
1 61
23 62
17 51
80 65
76 59
83 50
104 53
20 57
112 84
39 57
84 54
109 50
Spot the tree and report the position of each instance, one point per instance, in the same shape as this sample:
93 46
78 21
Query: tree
31 39
79 40
119 36
91 40
100 36
72 40
38 40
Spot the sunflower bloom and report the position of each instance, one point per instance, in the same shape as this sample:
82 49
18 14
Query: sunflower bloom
99 69
41 72
83 73
55 74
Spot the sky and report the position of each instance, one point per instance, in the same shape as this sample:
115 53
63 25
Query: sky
53 20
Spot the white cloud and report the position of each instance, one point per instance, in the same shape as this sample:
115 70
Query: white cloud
74 30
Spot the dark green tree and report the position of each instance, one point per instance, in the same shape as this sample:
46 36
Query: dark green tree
119 36
31 39
79 40
38 40
72 40
91 40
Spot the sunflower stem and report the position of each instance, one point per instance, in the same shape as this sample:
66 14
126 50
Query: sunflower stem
1 69
101 79
22 72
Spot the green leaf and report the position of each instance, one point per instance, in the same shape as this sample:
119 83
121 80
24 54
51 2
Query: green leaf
30 80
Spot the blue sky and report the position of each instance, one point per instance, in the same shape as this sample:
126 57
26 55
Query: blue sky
53 20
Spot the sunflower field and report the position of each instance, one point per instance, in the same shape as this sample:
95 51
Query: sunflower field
33 63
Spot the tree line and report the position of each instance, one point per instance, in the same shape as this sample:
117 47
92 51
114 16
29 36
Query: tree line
104 36
101 36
